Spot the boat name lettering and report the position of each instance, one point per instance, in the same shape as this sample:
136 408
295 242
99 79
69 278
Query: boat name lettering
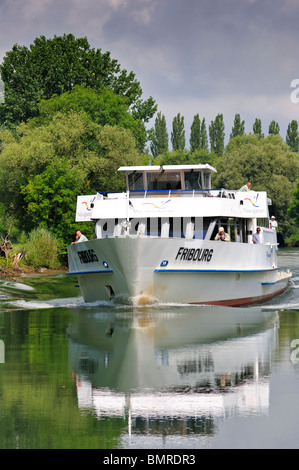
87 256
192 254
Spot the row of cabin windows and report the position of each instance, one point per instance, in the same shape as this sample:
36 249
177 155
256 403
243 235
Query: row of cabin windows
168 180
175 227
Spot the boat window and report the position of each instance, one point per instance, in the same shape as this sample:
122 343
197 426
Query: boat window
189 227
206 180
215 226
237 230
135 181
175 227
153 227
209 228
105 228
263 222
164 180
192 179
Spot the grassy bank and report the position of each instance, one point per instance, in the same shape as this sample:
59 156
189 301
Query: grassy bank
38 252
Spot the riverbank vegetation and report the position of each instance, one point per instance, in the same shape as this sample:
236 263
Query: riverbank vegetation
71 116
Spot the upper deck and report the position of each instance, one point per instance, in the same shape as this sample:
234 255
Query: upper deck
171 191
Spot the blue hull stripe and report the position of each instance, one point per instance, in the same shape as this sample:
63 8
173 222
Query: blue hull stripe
274 282
158 270
101 271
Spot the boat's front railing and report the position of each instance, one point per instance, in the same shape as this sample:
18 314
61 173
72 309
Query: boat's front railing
269 236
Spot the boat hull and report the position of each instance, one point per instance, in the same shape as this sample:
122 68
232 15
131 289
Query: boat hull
149 269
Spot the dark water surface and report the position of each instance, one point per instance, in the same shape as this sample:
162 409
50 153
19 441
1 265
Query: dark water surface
108 376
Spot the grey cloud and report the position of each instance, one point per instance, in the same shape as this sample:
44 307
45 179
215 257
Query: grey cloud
219 54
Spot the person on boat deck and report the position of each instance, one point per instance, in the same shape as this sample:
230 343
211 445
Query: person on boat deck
222 235
79 237
246 187
257 237
273 223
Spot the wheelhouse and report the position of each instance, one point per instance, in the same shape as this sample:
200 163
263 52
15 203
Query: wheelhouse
168 177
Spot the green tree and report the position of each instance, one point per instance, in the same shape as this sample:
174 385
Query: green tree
117 148
199 136
195 143
204 135
294 207
274 128
53 67
44 168
238 127
178 133
257 128
185 157
292 138
217 136
293 212
176 157
49 198
269 165
102 107
159 136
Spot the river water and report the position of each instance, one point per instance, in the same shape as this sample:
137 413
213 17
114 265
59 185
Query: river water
108 376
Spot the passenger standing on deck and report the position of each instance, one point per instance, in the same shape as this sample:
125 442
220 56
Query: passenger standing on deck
273 223
246 187
222 235
79 237
257 237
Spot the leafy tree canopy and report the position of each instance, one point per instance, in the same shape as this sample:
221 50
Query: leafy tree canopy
103 107
294 207
217 135
159 136
44 168
53 67
238 127
178 133
195 133
257 127
269 164
186 157
292 137
293 212
274 128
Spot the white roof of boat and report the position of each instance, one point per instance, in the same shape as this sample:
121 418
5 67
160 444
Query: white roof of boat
206 167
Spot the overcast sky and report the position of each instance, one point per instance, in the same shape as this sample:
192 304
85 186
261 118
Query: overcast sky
191 56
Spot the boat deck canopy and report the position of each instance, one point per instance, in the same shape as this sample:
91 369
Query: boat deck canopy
164 177
157 168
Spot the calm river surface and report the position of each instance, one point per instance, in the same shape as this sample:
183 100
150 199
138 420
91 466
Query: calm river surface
107 376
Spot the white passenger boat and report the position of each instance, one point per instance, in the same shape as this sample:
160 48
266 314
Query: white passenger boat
156 241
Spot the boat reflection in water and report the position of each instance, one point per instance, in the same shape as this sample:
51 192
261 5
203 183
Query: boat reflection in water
173 370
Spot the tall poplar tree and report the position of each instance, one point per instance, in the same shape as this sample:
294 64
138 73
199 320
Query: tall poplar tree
292 138
159 136
198 136
274 128
257 128
204 135
216 132
178 133
238 127
195 143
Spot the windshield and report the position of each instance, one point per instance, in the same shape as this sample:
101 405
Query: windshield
193 179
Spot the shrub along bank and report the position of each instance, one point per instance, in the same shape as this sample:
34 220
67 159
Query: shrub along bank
39 249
